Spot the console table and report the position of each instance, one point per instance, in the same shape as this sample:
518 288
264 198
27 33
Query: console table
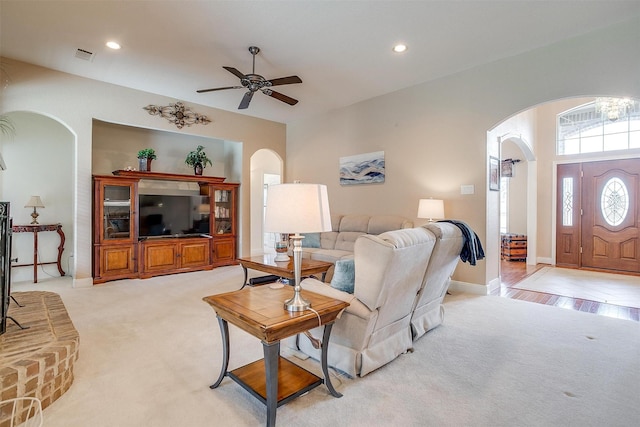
35 229
260 312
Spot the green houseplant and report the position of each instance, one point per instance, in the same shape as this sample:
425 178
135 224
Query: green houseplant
198 160
145 156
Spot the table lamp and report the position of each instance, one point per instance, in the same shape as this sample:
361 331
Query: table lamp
431 208
297 208
34 202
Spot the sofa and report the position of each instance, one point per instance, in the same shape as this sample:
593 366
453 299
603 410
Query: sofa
331 246
400 279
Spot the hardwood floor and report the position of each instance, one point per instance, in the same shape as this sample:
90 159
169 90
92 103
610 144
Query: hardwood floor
513 271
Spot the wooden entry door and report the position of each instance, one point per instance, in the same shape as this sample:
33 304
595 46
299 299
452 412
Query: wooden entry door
606 236
611 223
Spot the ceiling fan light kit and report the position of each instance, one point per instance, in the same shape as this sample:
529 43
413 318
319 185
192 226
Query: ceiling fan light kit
255 82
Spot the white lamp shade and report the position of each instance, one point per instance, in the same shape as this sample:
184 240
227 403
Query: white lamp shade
297 208
34 202
431 208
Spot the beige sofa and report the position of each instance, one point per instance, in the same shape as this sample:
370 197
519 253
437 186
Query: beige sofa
401 278
332 246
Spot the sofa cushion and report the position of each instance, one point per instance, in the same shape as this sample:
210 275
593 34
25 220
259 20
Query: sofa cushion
328 239
328 255
347 239
311 240
344 275
378 224
354 223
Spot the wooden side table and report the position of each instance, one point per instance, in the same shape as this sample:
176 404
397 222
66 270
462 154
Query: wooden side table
266 264
35 229
260 312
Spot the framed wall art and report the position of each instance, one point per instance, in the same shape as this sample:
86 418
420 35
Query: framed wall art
365 168
494 173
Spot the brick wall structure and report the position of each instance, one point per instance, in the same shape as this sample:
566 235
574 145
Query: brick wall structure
38 361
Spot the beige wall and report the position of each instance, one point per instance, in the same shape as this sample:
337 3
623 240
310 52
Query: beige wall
434 135
76 102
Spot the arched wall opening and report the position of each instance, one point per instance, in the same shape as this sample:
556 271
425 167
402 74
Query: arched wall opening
40 161
534 131
266 168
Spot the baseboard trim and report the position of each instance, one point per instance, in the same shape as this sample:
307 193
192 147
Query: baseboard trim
470 288
86 282
543 260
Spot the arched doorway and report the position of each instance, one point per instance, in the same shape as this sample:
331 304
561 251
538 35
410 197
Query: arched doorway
266 169
40 160
538 127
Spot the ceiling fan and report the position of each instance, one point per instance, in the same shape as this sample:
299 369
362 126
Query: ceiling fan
255 82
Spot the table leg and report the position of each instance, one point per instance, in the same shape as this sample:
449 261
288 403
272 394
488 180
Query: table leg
224 330
244 283
325 370
35 256
60 250
271 360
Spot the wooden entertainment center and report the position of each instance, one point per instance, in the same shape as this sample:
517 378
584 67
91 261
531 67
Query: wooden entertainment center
147 224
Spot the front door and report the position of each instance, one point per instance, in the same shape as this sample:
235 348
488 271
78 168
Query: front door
605 231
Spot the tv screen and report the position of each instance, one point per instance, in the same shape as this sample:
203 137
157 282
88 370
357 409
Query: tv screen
173 215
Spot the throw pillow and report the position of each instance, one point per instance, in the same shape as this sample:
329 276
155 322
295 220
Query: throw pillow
344 275
311 240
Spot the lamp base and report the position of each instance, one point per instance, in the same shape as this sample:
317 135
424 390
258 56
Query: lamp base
280 256
297 303
34 216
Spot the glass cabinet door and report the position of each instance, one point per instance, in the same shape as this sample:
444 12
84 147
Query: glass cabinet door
223 212
116 212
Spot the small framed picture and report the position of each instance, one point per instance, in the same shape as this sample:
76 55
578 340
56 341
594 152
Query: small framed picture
494 173
506 169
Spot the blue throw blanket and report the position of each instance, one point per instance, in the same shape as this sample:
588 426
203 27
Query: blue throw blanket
472 248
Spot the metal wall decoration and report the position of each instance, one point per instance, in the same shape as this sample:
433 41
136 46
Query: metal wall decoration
178 114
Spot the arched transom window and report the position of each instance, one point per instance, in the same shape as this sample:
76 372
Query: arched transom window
607 124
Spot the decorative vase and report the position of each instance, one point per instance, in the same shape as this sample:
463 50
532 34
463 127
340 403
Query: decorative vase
197 168
144 165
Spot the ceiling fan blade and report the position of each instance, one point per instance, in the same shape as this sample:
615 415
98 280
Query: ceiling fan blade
285 80
246 99
219 88
235 72
280 97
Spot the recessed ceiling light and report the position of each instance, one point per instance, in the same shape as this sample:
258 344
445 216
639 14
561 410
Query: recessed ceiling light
113 45
399 48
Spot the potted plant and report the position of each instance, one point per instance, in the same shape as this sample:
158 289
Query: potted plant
198 160
144 159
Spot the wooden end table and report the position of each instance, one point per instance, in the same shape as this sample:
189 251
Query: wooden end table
35 229
265 263
260 312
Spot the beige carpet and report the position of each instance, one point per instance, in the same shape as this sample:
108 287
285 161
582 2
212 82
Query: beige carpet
615 289
149 349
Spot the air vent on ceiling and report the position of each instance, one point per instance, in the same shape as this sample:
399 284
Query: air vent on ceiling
84 54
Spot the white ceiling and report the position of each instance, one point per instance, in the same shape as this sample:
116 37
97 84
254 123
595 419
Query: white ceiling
340 49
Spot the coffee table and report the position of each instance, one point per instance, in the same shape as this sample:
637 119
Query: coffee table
266 264
260 312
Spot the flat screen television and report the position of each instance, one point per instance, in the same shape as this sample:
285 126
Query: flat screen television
171 215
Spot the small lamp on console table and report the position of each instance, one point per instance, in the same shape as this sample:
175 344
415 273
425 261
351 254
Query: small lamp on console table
431 208
34 202
297 208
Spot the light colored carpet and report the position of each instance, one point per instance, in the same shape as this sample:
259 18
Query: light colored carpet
149 349
615 289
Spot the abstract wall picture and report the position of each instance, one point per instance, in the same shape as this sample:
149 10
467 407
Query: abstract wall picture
365 168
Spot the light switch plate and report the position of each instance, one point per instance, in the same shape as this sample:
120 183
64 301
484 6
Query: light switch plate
467 189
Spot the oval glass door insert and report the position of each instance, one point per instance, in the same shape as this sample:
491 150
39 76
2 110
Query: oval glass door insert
614 202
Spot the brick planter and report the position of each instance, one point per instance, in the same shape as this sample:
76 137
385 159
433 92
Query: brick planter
37 362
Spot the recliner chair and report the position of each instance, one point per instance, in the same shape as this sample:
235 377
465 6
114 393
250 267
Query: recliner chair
375 328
